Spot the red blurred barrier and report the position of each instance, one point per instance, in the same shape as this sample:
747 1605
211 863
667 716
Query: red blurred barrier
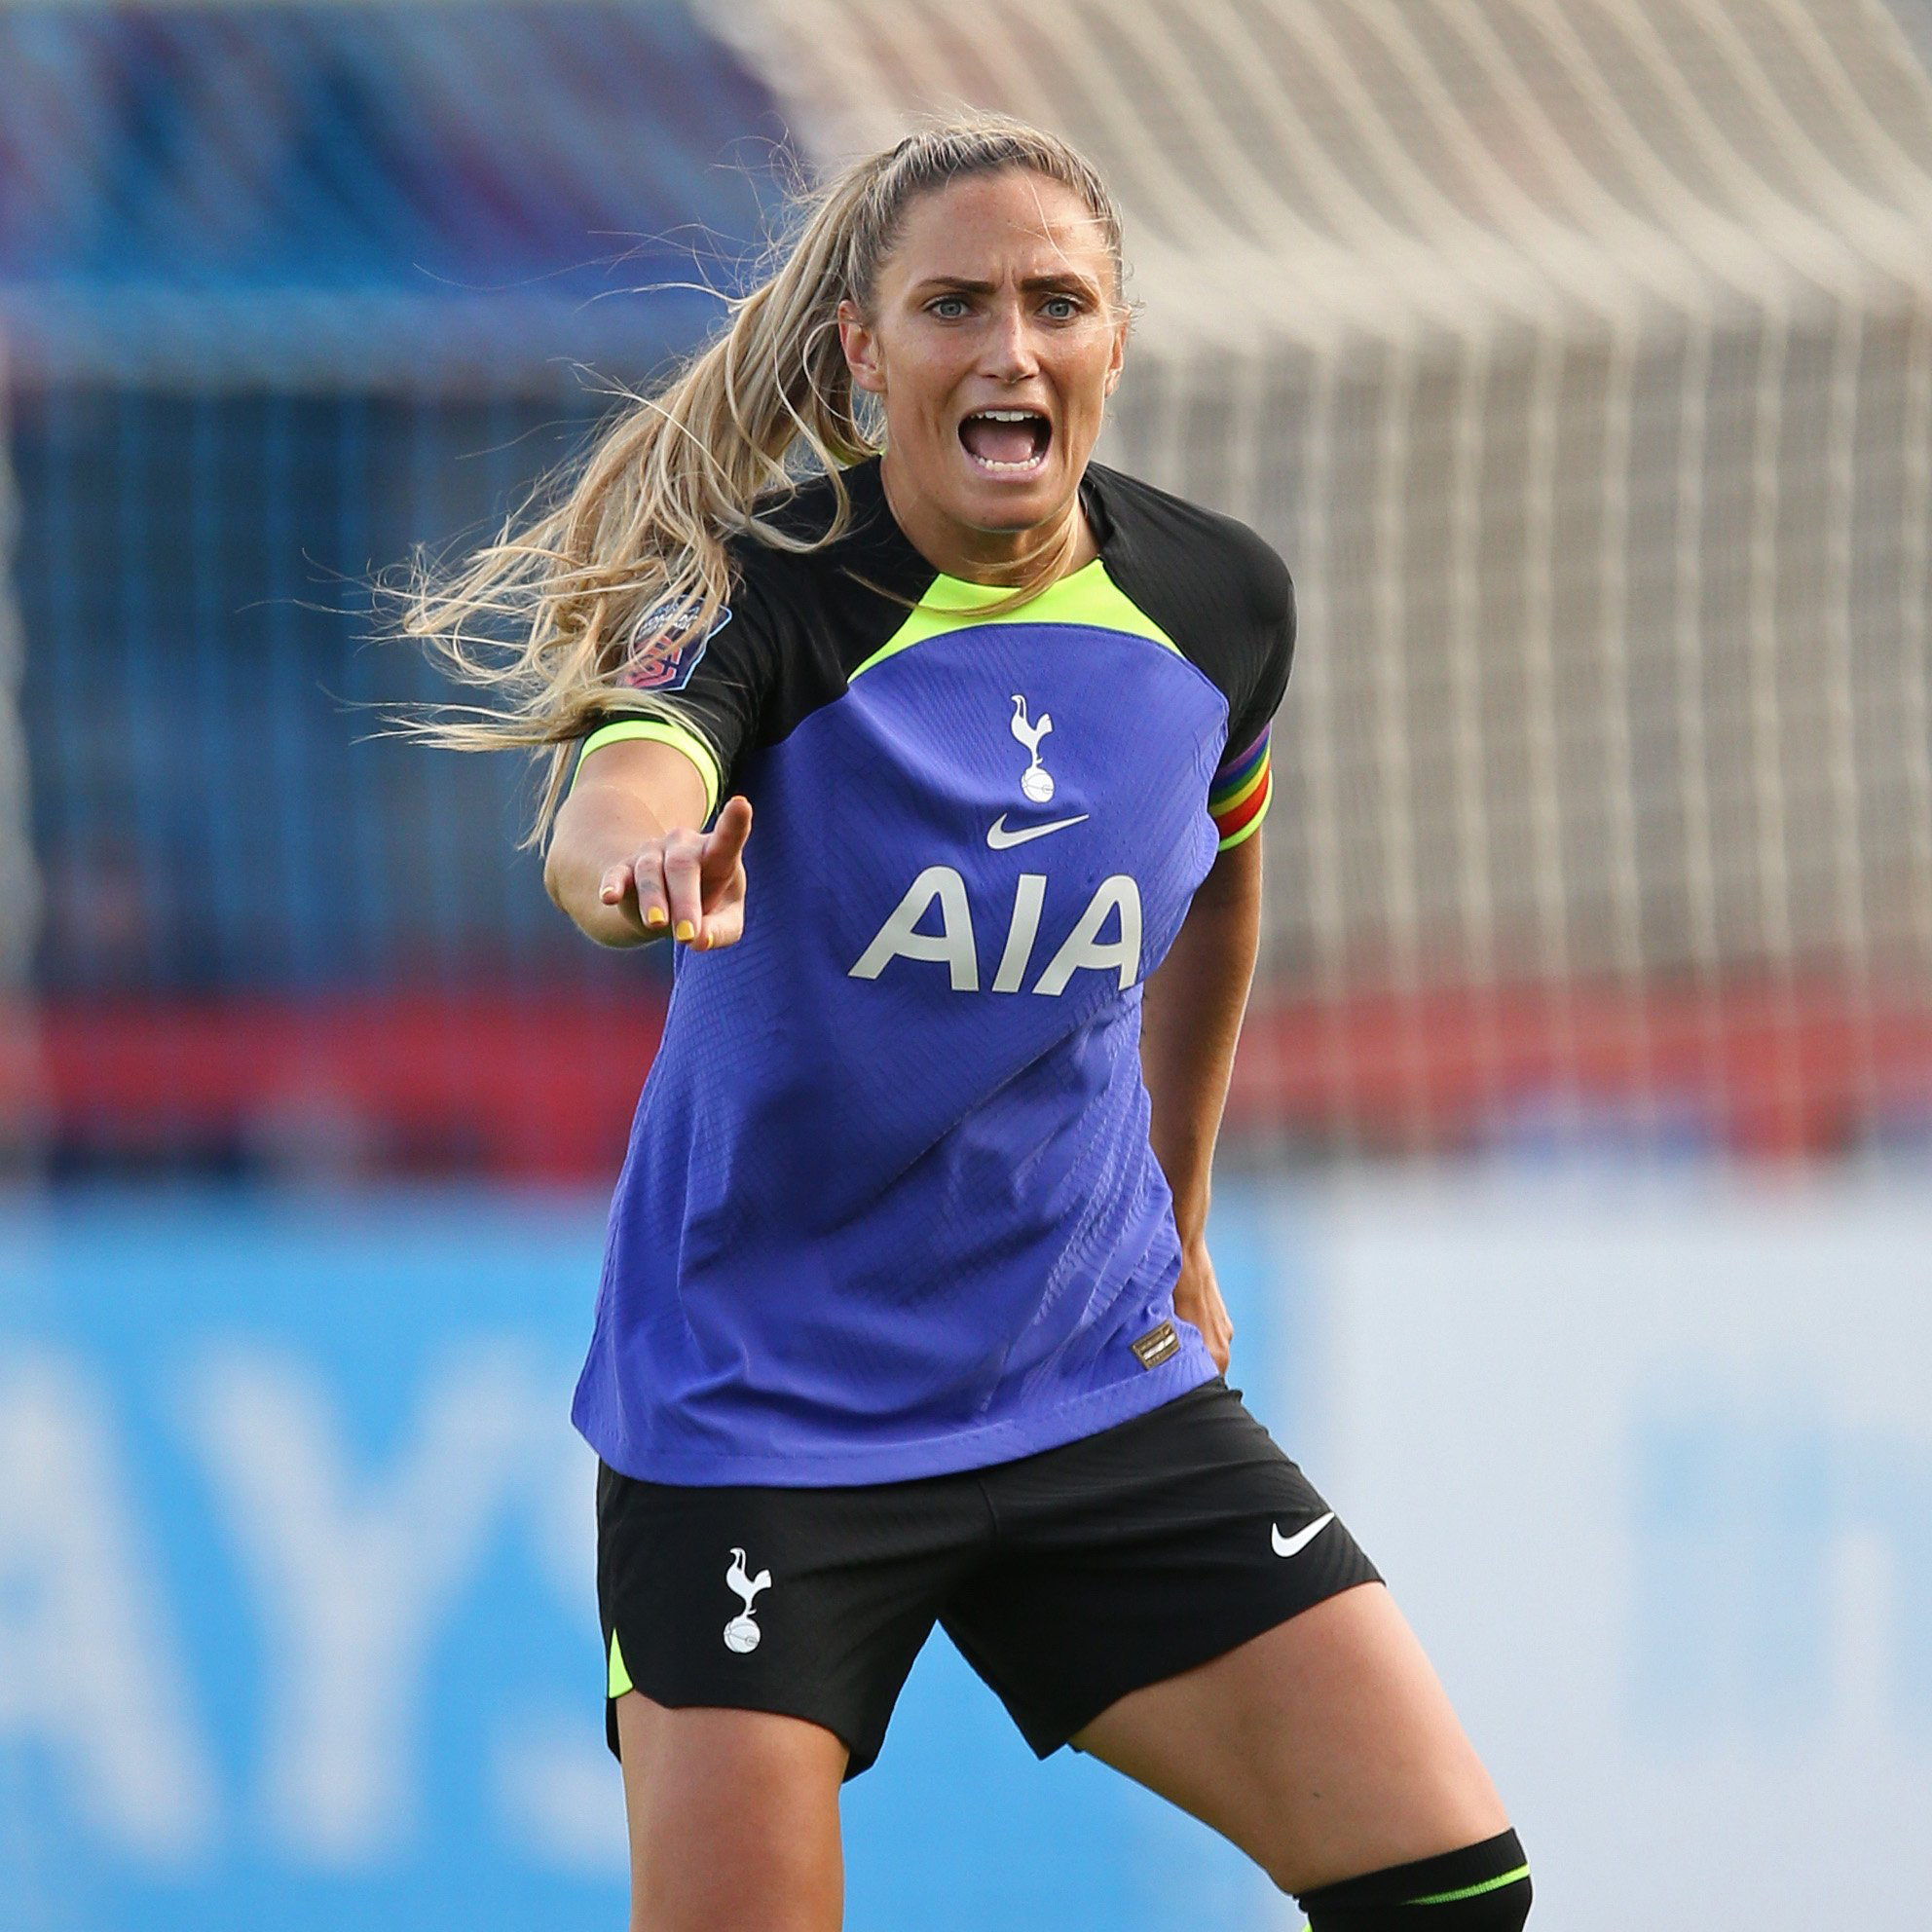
525 1087
1768 1071
512 1086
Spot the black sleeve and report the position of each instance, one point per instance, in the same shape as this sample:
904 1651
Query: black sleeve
715 688
1271 656
1216 587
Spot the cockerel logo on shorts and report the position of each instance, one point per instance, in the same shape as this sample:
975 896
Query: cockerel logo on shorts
741 1634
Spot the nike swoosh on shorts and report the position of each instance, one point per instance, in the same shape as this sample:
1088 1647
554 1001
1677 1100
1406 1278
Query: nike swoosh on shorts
1293 1545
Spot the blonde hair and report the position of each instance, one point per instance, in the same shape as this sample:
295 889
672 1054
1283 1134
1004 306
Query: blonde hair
624 553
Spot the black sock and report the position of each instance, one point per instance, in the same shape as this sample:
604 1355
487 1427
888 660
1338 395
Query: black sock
1481 1888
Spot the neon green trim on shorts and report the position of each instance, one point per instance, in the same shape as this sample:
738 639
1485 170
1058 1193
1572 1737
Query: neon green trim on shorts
620 1678
1089 597
678 736
1475 1891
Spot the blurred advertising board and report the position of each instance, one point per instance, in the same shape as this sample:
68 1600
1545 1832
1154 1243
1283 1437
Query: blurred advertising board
1649 1467
297 1622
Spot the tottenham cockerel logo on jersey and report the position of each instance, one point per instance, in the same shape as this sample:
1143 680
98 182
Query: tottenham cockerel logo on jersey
1036 781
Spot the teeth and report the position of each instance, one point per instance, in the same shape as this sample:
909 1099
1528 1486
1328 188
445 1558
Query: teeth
1011 416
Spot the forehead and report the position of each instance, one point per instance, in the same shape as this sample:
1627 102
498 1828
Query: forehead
983 223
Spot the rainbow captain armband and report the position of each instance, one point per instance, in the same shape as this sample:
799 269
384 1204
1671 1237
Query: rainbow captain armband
1238 795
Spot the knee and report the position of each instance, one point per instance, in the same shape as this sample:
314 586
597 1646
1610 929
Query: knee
1481 1888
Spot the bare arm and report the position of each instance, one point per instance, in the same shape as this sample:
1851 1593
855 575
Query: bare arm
1190 1020
627 860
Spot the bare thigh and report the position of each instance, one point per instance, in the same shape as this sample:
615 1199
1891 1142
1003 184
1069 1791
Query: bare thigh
733 1819
1324 1748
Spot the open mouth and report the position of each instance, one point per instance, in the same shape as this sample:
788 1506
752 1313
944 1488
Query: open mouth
1006 442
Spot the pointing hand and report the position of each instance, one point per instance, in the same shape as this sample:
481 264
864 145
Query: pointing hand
692 881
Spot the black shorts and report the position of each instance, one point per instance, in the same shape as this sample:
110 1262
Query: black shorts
1066 1579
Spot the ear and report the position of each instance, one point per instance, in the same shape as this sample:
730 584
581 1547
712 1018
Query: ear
1118 359
861 347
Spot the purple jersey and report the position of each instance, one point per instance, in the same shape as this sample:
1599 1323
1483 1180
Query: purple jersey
889 1207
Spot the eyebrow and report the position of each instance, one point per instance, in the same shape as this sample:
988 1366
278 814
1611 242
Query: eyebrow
1032 283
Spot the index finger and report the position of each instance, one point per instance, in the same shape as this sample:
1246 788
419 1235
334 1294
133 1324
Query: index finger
725 841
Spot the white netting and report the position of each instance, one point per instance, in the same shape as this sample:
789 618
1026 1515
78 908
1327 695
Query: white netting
1579 358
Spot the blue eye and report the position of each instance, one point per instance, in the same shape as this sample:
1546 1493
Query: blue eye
955 304
1062 308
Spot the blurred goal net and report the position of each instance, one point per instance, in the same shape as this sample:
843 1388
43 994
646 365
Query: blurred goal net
1578 359
1575 353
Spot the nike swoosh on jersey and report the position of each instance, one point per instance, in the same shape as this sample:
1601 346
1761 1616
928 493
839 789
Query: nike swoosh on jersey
1293 1545
999 838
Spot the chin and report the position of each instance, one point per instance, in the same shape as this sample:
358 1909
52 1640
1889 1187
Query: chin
1015 502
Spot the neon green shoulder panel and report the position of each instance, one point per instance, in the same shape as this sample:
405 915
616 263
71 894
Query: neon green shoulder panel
1089 597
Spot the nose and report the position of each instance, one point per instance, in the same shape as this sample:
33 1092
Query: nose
1010 354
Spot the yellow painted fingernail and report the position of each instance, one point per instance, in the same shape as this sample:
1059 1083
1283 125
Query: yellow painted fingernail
656 917
686 930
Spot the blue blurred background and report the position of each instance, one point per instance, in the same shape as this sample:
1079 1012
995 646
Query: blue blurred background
1575 1197
300 1624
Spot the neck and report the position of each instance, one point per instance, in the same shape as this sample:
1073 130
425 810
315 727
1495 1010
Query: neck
995 557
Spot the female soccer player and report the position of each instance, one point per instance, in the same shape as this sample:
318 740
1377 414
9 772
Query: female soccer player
907 1313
